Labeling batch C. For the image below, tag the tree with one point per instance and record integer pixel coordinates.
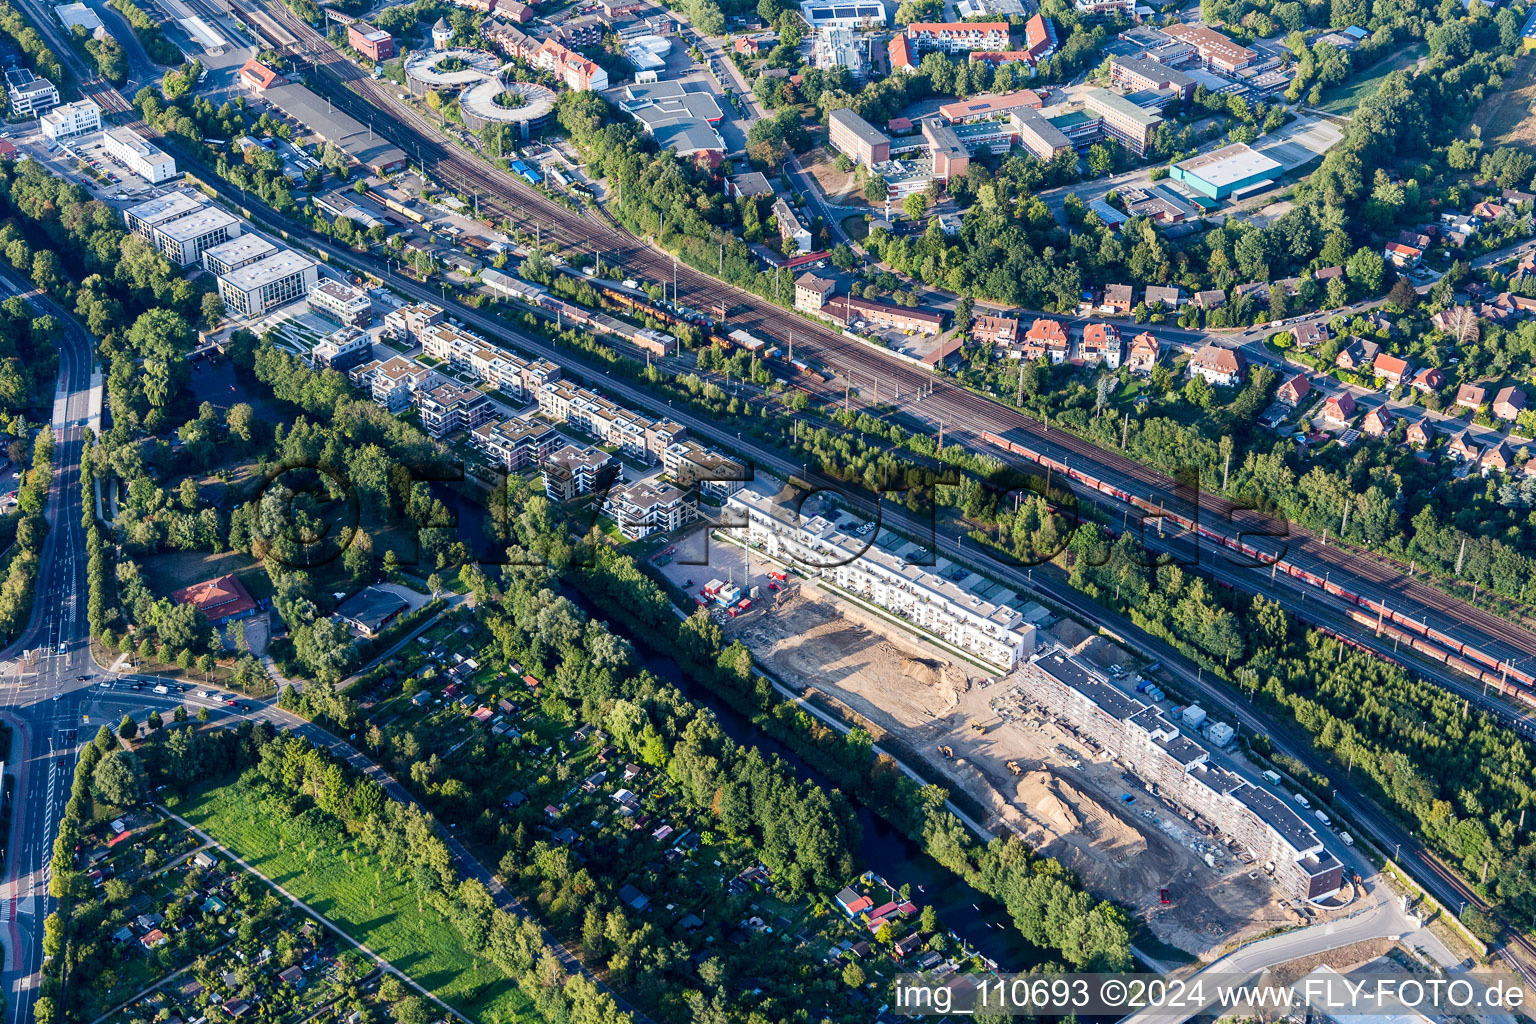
(126, 728)
(212, 310)
(853, 975)
(1403, 295)
(875, 189)
(104, 740)
(915, 205)
(154, 721)
(412, 1010)
(118, 778)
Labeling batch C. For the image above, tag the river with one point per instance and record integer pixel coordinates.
(977, 918)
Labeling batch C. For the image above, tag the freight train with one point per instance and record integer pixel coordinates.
(1466, 657)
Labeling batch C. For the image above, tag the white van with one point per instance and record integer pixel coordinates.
(1346, 839)
(1302, 799)
(1322, 816)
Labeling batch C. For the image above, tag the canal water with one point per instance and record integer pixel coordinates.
(977, 918)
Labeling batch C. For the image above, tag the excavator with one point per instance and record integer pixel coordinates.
(1015, 767)
(948, 752)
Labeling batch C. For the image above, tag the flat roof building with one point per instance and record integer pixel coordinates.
(348, 306)
(357, 140)
(29, 95)
(1216, 51)
(268, 283)
(70, 119)
(855, 137)
(183, 240)
(855, 14)
(1226, 171)
(236, 253)
(374, 43)
(133, 152)
(949, 155)
(1038, 135)
(948, 610)
(515, 444)
(979, 108)
(1133, 74)
(1121, 119)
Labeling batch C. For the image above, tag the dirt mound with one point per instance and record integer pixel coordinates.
(927, 671)
(1039, 795)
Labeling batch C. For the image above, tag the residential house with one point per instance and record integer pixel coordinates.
(1216, 365)
(1508, 403)
(1339, 410)
(1428, 379)
(1391, 369)
(1471, 397)
(1045, 338)
(1171, 297)
(1463, 448)
(1420, 433)
(1497, 459)
(1309, 335)
(1118, 300)
(1377, 422)
(1357, 355)
(1487, 211)
(1325, 274)
(1211, 299)
(1143, 354)
(1293, 390)
(1100, 346)
(999, 331)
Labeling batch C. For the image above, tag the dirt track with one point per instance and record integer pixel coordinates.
(904, 687)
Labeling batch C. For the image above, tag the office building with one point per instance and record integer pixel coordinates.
(268, 283)
(1179, 770)
(70, 119)
(346, 305)
(1038, 135)
(1122, 120)
(236, 253)
(148, 162)
(182, 225)
(991, 105)
(1217, 52)
(923, 599)
(1135, 74)
(857, 139)
(28, 95)
(853, 14)
(949, 156)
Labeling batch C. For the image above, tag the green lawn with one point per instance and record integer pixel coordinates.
(1345, 98)
(372, 906)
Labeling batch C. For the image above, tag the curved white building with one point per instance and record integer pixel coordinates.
(450, 70)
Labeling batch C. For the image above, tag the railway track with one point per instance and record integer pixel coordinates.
(1500, 645)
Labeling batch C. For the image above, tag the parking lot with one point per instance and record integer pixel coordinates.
(92, 151)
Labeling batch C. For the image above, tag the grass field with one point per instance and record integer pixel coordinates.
(172, 570)
(1507, 116)
(1348, 96)
(371, 905)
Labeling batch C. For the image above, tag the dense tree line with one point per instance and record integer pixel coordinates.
(15, 28)
(160, 49)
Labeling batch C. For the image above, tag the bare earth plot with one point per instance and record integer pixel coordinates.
(1508, 117)
(1062, 803)
(835, 184)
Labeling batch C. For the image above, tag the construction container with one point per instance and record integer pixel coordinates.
(1219, 733)
(1194, 716)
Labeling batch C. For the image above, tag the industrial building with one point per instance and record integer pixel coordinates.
(268, 283)
(130, 149)
(357, 140)
(63, 122)
(1179, 770)
(679, 120)
(1231, 170)
(28, 95)
(348, 306)
(857, 139)
(927, 600)
(525, 105)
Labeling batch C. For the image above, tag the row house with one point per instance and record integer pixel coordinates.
(505, 371)
(956, 37)
(638, 436)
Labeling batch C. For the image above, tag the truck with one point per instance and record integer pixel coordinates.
(1273, 778)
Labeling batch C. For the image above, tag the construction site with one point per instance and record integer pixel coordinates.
(1031, 775)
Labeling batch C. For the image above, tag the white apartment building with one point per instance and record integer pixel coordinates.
(408, 322)
(128, 148)
(236, 253)
(466, 352)
(393, 383)
(952, 613)
(650, 507)
(28, 95)
(573, 470)
(718, 476)
(450, 407)
(268, 283)
(69, 120)
(346, 305)
(515, 444)
(342, 350)
(1180, 770)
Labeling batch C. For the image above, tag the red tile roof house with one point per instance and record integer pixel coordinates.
(1497, 458)
(1428, 379)
(1293, 390)
(1509, 403)
(995, 330)
(1471, 397)
(852, 903)
(1339, 410)
(1377, 422)
(1420, 433)
(1391, 369)
(1143, 354)
(220, 600)
(1045, 338)
(1402, 255)
(1462, 447)
(1118, 298)
(1100, 344)
(1218, 365)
